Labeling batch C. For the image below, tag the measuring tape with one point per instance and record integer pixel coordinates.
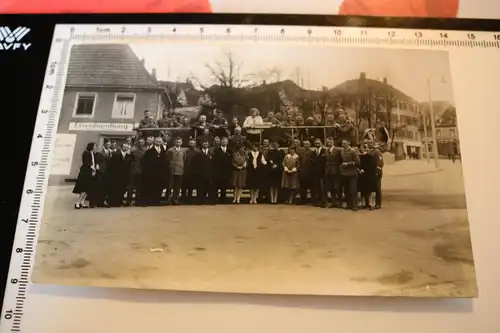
(30, 213)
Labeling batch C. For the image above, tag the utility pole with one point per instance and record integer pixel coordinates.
(435, 152)
(424, 141)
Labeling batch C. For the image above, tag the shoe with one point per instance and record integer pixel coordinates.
(85, 206)
(78, 206)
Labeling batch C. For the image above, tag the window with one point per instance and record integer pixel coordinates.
(84, 105)
(124, 106)
(438, 133)
(452, 133)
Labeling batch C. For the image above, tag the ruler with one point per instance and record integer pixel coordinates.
(31, 209)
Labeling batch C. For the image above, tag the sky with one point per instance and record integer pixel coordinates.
(317, 65)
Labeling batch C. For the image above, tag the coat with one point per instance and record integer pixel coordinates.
(223, 166)
(176, 161)
(351, 157)
(332, 162)
(154, 165)
(119, 168)
(205, 165)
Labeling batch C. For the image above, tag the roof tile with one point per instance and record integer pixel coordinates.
(107, 65)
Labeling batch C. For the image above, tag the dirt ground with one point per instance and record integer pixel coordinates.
(417, 245)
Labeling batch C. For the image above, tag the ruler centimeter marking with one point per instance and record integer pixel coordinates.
(36, 179)
(37, 173)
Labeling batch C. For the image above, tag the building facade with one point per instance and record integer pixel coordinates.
(402, 121)
(107, 91)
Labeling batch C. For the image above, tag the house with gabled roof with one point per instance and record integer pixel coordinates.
(107, 91)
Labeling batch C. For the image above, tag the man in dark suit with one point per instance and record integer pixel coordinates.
(379, 162)
(190, 177)
(318, 174)
(135, 185)
(306, 170)
(349, 171)
(119, 172)
(166, 144)
(176, 157)
(265, 189)
(333, 182)
(154, 168)
(223, 168)
(102, 175)
(206, 169)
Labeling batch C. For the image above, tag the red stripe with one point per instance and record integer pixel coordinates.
(104, 6)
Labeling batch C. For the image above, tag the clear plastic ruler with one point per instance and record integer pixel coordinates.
(31, 208)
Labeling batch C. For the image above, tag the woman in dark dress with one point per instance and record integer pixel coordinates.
(239, 173)
(367, 176)
(86, 181)
(275, 158)
(255, 168)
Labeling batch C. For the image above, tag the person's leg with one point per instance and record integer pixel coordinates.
(353, 190)
(378, 192)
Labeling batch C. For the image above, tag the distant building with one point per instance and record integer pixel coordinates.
(402, 122)
(447, 139)
(445, 116)
(107, 90)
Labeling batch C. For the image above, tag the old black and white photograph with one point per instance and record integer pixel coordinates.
(248, 167)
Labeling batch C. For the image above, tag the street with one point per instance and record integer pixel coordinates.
(417, 245)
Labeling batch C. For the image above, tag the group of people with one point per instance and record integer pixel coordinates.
(155, 169)
(280, 127)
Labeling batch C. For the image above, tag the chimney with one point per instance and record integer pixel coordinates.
(385, 80)
(362, 76)
(153, 73)
(143, 62)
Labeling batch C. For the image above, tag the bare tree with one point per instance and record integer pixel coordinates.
(227, 73)
(228, 83)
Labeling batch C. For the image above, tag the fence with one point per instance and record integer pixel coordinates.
(282, 134)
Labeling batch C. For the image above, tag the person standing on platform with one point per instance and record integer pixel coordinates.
(204, 136)
(119, 170)
(148, 125)
(252, 121)
(237, 140)
(349, 171)
(345, 130)
(176, 158)
(220, 125)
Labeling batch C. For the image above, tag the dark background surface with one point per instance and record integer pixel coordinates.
(22, 75)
